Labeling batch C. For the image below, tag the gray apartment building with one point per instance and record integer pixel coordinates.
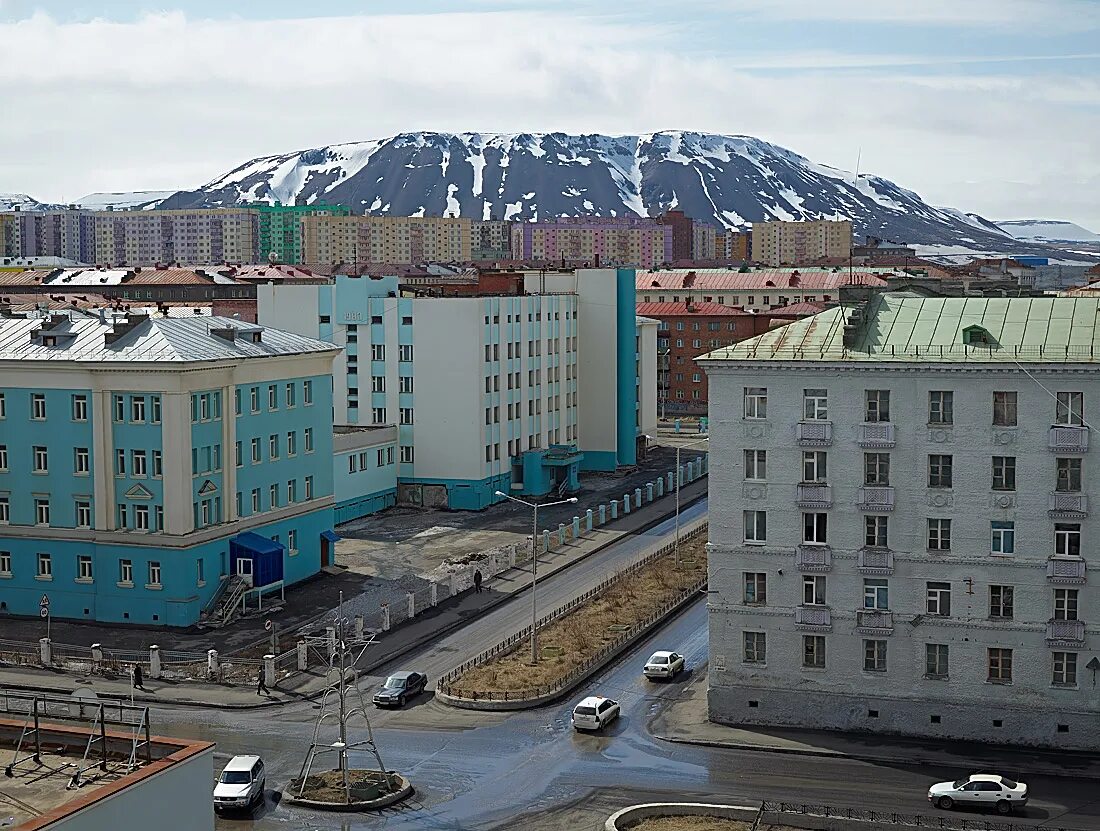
(900, 521)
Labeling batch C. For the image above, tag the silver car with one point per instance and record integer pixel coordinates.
(981, 789)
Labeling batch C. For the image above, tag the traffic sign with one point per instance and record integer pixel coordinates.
(267, 625)
(44, 612)
(45, 601)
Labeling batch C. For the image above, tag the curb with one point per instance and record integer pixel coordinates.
(635, 813)
(406, 791)
(370, 666)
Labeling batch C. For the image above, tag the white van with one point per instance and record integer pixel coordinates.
(241, 784)
(594, 713)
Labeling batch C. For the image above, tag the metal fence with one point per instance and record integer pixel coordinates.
(946, 821)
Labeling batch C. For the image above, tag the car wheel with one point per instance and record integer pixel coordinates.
(1004, 807)
(945, 802)
(401, 701)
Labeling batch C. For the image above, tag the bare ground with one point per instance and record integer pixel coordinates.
(328, 786)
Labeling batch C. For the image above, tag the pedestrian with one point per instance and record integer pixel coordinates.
(137, 677)
(261, 683)
(477, 581)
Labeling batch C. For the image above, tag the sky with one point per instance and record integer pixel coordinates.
(989, 106)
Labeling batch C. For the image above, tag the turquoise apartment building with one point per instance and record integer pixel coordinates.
(145, 461)
(279, 228)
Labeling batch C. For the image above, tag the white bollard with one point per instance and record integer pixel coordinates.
(45, 652)
(269, 670)
(435, 594)
(213, 667)
(385, 617)
(330, 637)
(410, 601)
(360, 626)
(154, 661)
(303, 656)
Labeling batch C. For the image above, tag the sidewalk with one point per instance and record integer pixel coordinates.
(421, 630)
(685, 722)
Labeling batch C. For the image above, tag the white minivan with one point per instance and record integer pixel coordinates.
(594, 713)
(241, 784)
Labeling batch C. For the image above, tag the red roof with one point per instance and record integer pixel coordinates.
(682, 310)
(760, 279)
(797, 310)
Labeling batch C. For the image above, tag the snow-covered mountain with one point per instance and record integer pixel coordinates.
(1047, 230)
(730, 181)
(22, 202)
(140, 199)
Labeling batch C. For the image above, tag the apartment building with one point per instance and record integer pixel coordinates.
(386, 239)
(492, 239)
(754, 290)
(143, 461)
(486, 393)
(279, 228)
(901, 498)
(619, 241)
(11, 235)
(68, 234)
(795, 243)
(703, 241)
(196, 236)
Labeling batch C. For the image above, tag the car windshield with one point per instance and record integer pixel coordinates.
(394, 682)
(585, 711)
(659, 659)
(959, 783)
(1008, 783)
(235, 777)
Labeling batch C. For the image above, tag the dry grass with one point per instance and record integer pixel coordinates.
(573, 639)
(328, 786)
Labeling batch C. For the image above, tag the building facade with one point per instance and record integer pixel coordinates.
(781, 243)
(386, 239)
(754, 290)
(491, 240)
(279, 228)
(188, 237)
(135, 451)
(621, 241)
(898, 541)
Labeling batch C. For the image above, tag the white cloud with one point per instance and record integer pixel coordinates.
(171, 102)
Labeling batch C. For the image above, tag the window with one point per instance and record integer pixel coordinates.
(3, 406)
(935, 660)
(352, 463)
(1000, 665)
(309, 487)
(273, 496)
(80, 461)
(5, 563)
(385, 456)
(1065, 604)
(3, 457)
(405, 352)
(406, 454)
(120, 408)
(815, 405)
(939, 471)
(813, 651)
(756, 647)
(158, 466)
(254, 399)
(137, 463)
(378, 383)
(1067, 539)
(1069, 476)
(292, 540)
(38, 406)
(154, 401)
(876, 469)
(255, 450)
(756, 526)
(272, 397)
(292, 491)
(405, 415)
(876, 534)
(378, 415)
(42, 510)
(1002, 537)
(756, 402)
(154, 573)
(1064, 669)
(137, 409)
(237, 401)
(292, 444)
(756, 465)
(815, 528)
(126, 572)
(273, 446)
(307, 391)
(255, 500)
(5, 509)
(405, 383)
(941, 407)
(756, 588)
(80, 408)
(41, 459)
(939, 535)
(289, 395)
(874, 656)
(939, 599)
(878, 405)
(45, 566)
(1004, 473)
(238, 454)
(813, 590)
(1001, 602)
(141, 517)
(876, 593)
(308, 433)
(378, 352)
(1004, 409)
(814, 466)
(84, 568)
(83, 513)
(1069, 412)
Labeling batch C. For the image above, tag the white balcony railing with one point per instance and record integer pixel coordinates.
(876, 561)
(816, 618)
(815, 433)
(814, 558)
(1068, 504)
(876, 498)
(814, 496)
(876, 434)
(874, 621)
(1069, 439)
(1065, 632)
(1066, 570)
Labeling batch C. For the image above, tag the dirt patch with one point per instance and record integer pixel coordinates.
(582, 634)
(366, 785)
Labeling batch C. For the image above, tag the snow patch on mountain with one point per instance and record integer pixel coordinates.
(1047, 230)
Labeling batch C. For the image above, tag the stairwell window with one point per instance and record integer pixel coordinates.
(756, 402)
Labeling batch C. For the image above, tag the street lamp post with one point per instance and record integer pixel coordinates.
(534, 506)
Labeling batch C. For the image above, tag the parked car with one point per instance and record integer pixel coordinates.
(980, 789)
(663, 664)
(595, 713)
(241, 784)
(399, 688)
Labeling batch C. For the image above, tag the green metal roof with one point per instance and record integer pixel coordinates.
(903, 328)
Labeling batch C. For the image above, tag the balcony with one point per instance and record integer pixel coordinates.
(876, 498)
(876, 434)
(814, 558)
(813, 618)
(1066, 570)
(874, 622)
(876, 561)
(815, 433)
(1069, 439)
(814, 496)
(1069, 505)
(1066, 633)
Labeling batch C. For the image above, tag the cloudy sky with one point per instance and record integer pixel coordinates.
(990, 106)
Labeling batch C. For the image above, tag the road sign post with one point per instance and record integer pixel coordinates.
(44, 611)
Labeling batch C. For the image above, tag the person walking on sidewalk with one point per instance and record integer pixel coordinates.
(261, 683)
(137, 678)
(477, 581)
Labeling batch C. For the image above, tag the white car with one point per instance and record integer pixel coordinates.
(980, 789)
(241, 784)
(663, 664)
(594, 713)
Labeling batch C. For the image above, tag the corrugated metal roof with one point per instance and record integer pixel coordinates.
(903, 328)
(761, 279)
(171, 339)
(682, 310)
